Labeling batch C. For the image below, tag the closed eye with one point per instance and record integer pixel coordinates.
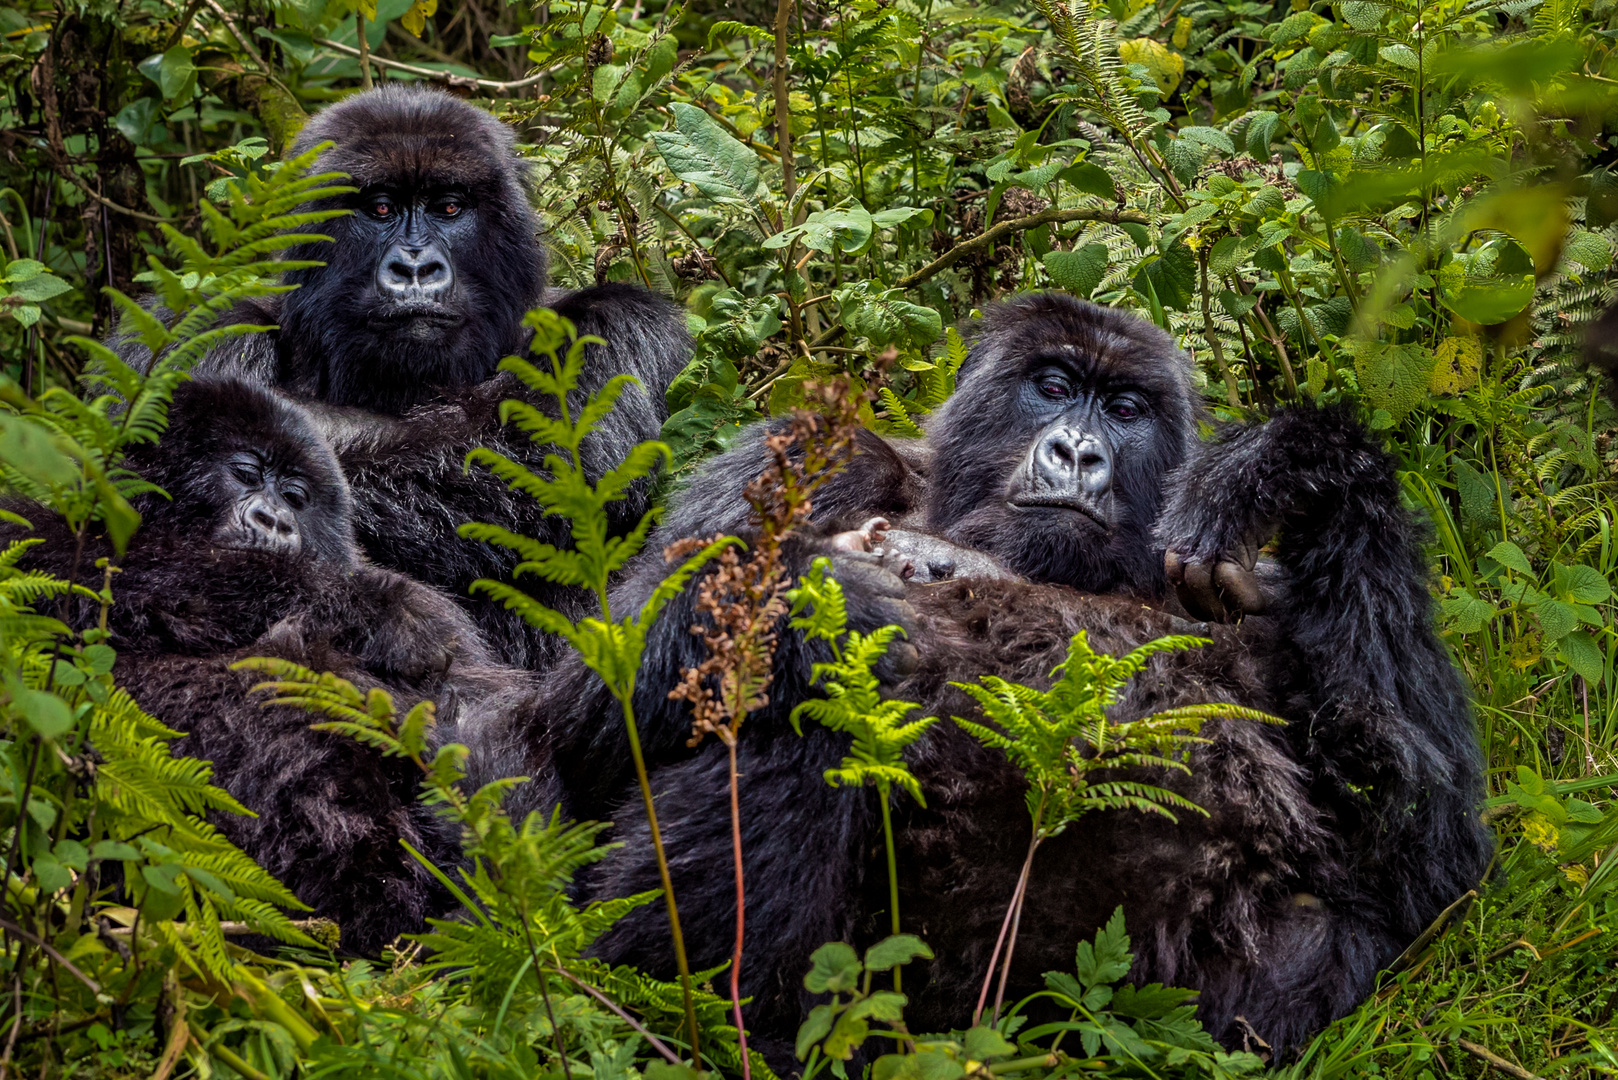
(1054, 387)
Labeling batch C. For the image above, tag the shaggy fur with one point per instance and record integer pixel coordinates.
(1330, 843)
(403, 399)
(330, 811)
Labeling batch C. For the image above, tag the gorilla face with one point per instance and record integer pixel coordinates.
(427, 281)
(248, 470)
(415, 296)
(260, 500)
(1051, 454)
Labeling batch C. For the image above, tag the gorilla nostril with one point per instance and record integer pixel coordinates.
(261, 518)
(1091, 459)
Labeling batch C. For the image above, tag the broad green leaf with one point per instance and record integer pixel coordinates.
(928, 1064)
(1469, 613)
(982, 1043)
(1556, 618)
(1580, 651)
(1511, 556)
(892, 951)
(835, 969)
(1079, 272)
(1581, 583)
(706, 156)
(1090, 178)
(1261, 128)
(1488, 286)
(1393, 377)
(46, 713)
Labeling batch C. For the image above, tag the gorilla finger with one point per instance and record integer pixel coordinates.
(1198, 594)
(853, 540)
(1239, 587)
(1173, 567)
(875, 531)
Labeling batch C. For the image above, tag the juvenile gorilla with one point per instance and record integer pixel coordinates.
(397, 338)
(255, 556)
(1331, 843)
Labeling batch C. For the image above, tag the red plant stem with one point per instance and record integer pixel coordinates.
(1016, 921)
(1005, 927)
(741, 912)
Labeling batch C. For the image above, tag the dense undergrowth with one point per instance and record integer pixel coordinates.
(1410, 205)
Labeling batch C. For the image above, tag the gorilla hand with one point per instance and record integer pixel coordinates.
(875, 593)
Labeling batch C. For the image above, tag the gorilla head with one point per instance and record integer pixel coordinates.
(429, 278)
(1065, 419)
(248, 472)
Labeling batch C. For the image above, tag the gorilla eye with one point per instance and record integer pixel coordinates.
(295, 496)
(381, 207)
(246, 473)
(449, 208)
(1125, 408)
(1054, 387)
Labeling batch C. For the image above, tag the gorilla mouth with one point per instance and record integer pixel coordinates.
(401, 316)
(1059, 502)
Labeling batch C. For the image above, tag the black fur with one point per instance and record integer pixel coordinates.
(189, 602)
(1331, 843)
(403, 390)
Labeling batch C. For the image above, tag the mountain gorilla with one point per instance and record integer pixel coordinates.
(1330, 843)
(255, 556)
(395, 340)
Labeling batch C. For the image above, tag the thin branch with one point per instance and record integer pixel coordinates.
(656, 1043)
(448, 78)
(1507, 1067)
(236, 32)
(989, 237)
(67, 965)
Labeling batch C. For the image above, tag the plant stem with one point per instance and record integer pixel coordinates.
(365, 50)
(741, 909)
(663, 872)
(893, 871)
(1016, 921)
(783, 120)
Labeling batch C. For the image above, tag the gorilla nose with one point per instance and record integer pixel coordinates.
(1071, 460)
(415, 273)
(273, 526)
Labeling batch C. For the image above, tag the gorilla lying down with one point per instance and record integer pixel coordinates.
(255, 556)
(1068, 459)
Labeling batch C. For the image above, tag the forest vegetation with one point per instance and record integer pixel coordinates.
(1408, 205)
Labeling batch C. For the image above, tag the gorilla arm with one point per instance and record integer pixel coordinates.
(1379, 717)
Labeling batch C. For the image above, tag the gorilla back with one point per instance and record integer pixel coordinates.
(1331, 843)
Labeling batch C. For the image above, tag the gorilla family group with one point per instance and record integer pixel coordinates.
(316, 480)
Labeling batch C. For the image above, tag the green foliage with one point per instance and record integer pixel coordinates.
(1061, 738)
(1407, 207)
(853, 702)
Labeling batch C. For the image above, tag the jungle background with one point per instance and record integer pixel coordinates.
(1412, 205)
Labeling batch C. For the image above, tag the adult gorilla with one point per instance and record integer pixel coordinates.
(251, 553)
(396, 339)
(1331, 843)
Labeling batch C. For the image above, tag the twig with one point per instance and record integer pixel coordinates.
(365, 73)
(783, 110)
(447, 77)
(67, 171)
(95, 987)
(988, 238)
(1507, 1067)
(181, 26)
(179, 1035)
(236, 32)
(657, 1044)
(1436, 927)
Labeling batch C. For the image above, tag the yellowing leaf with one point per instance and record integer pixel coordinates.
(1182, 32)
(1458, 360)
(415, 20)
(1540, 831)
(1167, 67)
(366, 9)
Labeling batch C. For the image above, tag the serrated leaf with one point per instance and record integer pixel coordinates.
(706, 156)
(1078, 272)
(890, 952)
